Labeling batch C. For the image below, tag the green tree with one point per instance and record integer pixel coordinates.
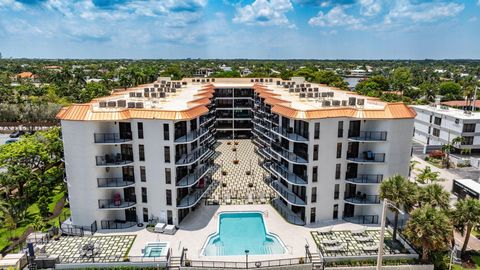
(450, 91)
(430, 229)
(401, 193)
(401, 79)
(467, 214)
(450, 147)
(434, 195)
(429, 90)
(426, 176)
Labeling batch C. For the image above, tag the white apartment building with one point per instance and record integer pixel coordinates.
(147, 152)
(436, 125)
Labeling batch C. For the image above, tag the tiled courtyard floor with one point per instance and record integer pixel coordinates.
(107, 248)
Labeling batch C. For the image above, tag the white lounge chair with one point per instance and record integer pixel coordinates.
(363, 238)
(330, 241)
(358, 231)
(370, 248)
(170, 229)
(262, 198)
(250, 198)
(227, 199)
(160, 227)
(335, 248)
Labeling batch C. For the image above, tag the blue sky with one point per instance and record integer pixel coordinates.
(274, 29)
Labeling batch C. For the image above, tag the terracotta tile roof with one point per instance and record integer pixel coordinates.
(25, 75)
(460, 103)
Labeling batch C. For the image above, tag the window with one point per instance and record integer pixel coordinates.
(141, 152)
(143, 174)
(437, 121)
(312, 214)
(467, 140)
(140, 130)
(335, 211)
(167, 154)
(315, 174)
(315, 152)
(314, 194)
(340, 129)
(169, 217)
(145, 214)
(436, 132)
(338, 169)
(144, 195)
(339, 150)
(336, 192)
(468, 127)
(166, 132)
(169, 197)
(316, 133)
(168, 176)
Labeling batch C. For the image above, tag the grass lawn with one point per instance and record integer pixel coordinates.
(32, 212)
(475, 259)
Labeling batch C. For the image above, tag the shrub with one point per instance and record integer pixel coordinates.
(437, 154)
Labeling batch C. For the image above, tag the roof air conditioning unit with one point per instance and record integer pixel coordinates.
(102, 104)
(352, 101)
(146, 95)
(138, 94)
(131, 105)
(112, 104)
(155, 85)
(361, 101)
(122, 103)
(153, 95)
(344, 103)
(139, 105)
(132, 94)
(335, 102)
(326, 103)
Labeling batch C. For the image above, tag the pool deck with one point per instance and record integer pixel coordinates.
(198, 225)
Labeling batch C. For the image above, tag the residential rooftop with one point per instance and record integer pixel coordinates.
(448, 111)
(188, 98)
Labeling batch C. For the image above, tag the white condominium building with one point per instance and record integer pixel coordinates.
(437, 125)
(148, 152)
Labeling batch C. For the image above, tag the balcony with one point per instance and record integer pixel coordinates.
(116, 204)
(196, 155)
(367, 157)
(287, 213)
(192, 136)
(288, 176)
(117, 160)
(368, 136)
(289, 134)
(287, 194)
(290, 156)
(112, 183)
(365, 179)
(192, 178)
(117, 224)
(362, 219)
(193, 197)
(362, 199)
(265, 152)
(112, 138)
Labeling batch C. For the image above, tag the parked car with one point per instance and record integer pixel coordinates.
(11, 140)
(17, 134)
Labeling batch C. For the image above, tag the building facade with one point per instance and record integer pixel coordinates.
(147, 152)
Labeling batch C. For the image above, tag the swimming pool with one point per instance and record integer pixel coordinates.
(240, 231)
(156, 249)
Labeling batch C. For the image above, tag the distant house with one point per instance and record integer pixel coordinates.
(53, 68)
(225, 68)
(25, 76)
(203, 72)
(245, 72)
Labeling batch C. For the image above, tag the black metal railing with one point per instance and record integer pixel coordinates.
(365, 178)
(290, 156)
(368, 135)
(194, 176)
(111, 203)
(367, 157)
(254, 264)
(194, 196)
(115, 182)
(117, 224)
(192, 136)
(286, 193)
(112, 137)
(113, 160)
(362, 199)
(362, 219)
(193, 156)
(289, 133)
(286, 213)
(287, 175)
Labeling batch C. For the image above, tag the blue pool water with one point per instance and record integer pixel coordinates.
(156, 249)
(239, 232)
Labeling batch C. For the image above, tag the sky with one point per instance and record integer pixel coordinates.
(260, 29)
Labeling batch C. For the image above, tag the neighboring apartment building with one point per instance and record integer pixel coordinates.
(147, 152)
(437, 125)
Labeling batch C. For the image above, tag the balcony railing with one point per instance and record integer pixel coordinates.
(117, 224)
(114, 160)
(368, 136)
(192, 136)
(194, 156)
(368, 157)
(191, 178)
(362, 219)
(286, 194)
(112, 137)
(115, 182)
(194, 196)
(290, 134)
(365, 179)
(362, 199)
(290, 177)
(290, 156)
(116, 204)
(287, 213)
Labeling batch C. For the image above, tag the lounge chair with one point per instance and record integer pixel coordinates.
(170, 229)
(330, 241)
(160, 227)
(370, 248)
(250, 198)
(227, 199)
(262, 198)
(358, 231)
(338, 248)
(364, 238)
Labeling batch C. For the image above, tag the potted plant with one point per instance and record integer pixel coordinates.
(224, 184)
(236, 143)
(187, 263)
(229, 143)
(234, 149)
(301, 260)
(250, 185)
(248, 172)
(224, 172)
(236, 161)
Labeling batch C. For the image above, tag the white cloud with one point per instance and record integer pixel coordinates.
(423, 12)
(336, 17)
(264, 12)
(478, 3)
(370, 7)
(11, 4)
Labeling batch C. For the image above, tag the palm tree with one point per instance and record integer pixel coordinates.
(467, 214)
(430, 229)
(434, 195)
(449, 147)
(401, 193)
(427, 176)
